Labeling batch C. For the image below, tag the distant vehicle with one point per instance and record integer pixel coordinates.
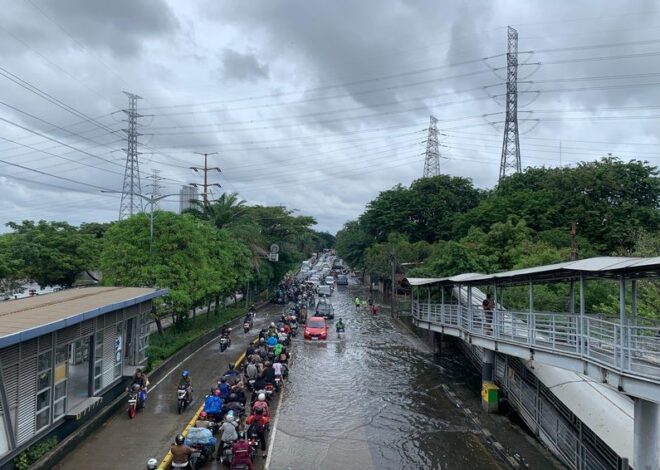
(324, 291)
(342, 280)
(325, 310)
(329, 280)
(316, 329)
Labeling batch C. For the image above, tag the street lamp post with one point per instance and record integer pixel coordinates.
(151, 200)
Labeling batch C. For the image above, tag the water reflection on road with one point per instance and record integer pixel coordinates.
(373, 400)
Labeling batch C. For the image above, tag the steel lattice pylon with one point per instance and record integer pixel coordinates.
(432, 159)
(131, 203)
(510, 161)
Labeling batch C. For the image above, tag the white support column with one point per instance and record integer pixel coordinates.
(646, 453)
(580, 325)
(531, 323)
(622, 320)
(442, 304)
(469, 306)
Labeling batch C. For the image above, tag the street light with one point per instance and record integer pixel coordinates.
(151, 201)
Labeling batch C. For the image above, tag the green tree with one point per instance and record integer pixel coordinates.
(52, 253)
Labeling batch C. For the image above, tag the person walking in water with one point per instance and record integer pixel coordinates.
(357, 303)
(374, 310)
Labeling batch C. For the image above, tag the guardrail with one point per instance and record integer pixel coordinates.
(632, 348)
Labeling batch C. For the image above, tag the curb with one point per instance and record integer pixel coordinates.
(69, 443)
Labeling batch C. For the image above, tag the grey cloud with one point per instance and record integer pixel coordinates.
(242, 66)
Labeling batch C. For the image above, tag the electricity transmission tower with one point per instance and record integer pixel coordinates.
(510, 161)
(131, 203)
(205, 185)
(432, 160)
(155, 188)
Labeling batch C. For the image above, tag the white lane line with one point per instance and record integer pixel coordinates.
(272, 436)
(151, 387)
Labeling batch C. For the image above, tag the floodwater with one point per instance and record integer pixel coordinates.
(375, 400)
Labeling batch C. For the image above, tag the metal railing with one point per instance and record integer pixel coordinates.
(632, 348)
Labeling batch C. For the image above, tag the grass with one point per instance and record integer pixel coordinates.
(163, 346)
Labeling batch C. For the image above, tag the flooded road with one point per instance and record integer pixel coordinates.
(378, 399)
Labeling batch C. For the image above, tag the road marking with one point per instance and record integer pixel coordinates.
(272, 436)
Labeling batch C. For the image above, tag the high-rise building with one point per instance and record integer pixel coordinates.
(186, 196)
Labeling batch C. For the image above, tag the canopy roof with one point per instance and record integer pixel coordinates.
(602, 266)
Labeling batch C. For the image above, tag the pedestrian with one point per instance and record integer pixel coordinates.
(374, 310)
(488, 305)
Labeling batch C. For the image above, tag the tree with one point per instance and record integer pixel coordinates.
(52, 253)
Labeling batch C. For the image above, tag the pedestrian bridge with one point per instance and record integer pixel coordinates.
(622, 351)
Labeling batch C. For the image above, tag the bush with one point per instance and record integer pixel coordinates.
(163, 346)
(33, 453)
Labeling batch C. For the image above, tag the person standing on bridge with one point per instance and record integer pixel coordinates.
(488, 305)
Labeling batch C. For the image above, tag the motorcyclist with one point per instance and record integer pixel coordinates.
(232, 374)
(240, 451)
(142, 382)
(268, 373)
(259, 423)
(225, 331)
(203, 421)
(251, 370)
(277, 349)
(340, 325)
(272, 329)
(180, 452)
(228, 433)
(224, 387)
(185, 381)
(262, 404)
(271, 341)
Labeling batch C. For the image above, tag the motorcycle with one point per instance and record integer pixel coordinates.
(340, 332)
(225, 342)
(225, 453)
(278, 384)
(269, 390)
(294, 328)
(251, 383)
(133, 399)
(182, 398)
(246, 327)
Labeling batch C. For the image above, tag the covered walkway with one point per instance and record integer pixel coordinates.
(621, 351)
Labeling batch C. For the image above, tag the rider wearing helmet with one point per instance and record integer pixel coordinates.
(180, 452)
(225, 388)
(228, 433)
(259, 423)
(185, 381)
(203, 421)
(261, 404)
(232, 374)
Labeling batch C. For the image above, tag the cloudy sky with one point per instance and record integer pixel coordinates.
(315, 105)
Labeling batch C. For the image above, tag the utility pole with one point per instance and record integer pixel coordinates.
(205, 185)
(130, 203)
(393, 264)
(155, 187)
(574, 252)
(510, 160)
(432, 155)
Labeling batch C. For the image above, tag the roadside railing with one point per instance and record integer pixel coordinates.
(633, 348)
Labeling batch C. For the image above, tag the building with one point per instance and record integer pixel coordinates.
(63, 354)
(186, 196)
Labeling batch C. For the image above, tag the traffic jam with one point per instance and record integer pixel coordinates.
(232, 427)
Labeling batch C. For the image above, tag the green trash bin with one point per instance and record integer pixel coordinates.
(490, 397)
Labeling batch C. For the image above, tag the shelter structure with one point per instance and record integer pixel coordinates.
(61, 354)
(622, 352)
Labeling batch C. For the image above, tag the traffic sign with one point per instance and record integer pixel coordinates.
(273, 257)
(274, 248)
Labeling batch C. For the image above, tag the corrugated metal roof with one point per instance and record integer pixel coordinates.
(422, 281)
(601, 264)
(24, 319)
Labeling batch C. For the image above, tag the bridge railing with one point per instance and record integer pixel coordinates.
(632, 348)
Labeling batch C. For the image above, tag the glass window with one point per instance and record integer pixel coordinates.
(43, 399)
(62, 354)
(117, 371)
(45, 361)
(58, 408)
(44, 380)
(97, 368)
(97, 382)
(60, 390)
(43, 418)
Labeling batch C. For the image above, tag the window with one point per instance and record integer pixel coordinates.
(61, 378)
(98, 361)
(118, 353)
(44, 380)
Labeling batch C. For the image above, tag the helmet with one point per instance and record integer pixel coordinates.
(231, 366)
(233, 397)
(282, 329)
(203, 415)
(272, 324)
(184, 373)
(216, 392)
(152, 464)
(261, 397)
(136, 387)
(261, 340)
(222, 380)
(179, 439)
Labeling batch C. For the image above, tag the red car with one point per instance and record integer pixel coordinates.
(316, 328)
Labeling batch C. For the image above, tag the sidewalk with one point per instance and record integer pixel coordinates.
(121, 443)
